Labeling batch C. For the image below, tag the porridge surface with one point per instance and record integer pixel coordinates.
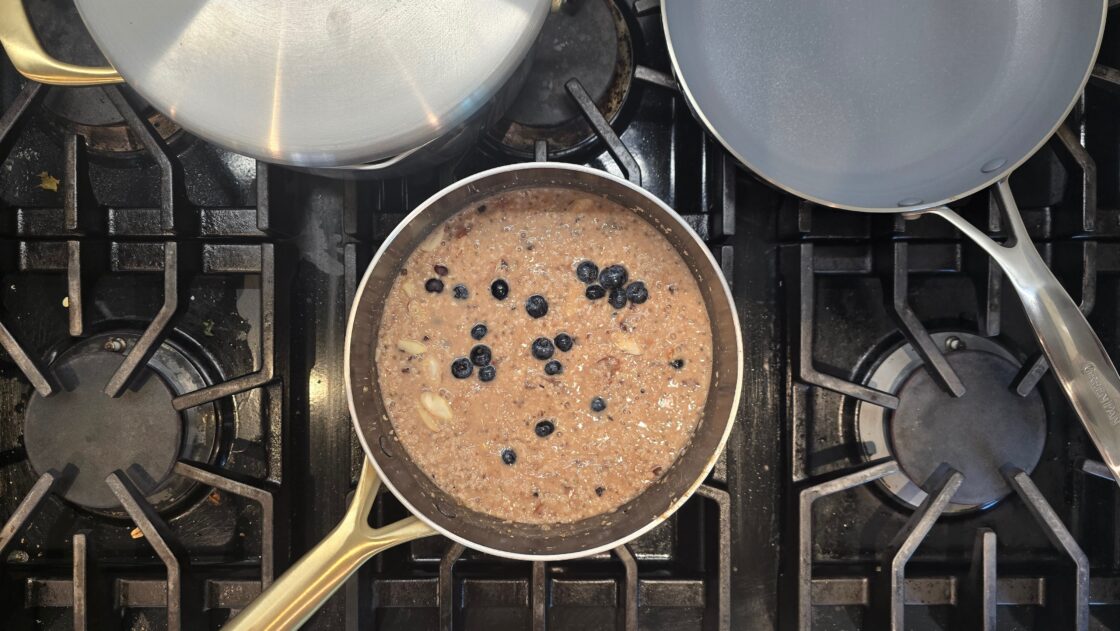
(523, 429)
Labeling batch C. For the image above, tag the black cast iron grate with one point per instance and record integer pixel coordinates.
(178, 241)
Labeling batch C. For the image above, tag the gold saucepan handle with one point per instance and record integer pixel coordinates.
(33, 62)
(291, 600)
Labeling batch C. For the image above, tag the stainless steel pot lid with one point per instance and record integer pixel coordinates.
(316, 83)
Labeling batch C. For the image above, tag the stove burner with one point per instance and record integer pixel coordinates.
(81, 431)
(588, 40)
(86, 111)
(977, 434)
(89, 113)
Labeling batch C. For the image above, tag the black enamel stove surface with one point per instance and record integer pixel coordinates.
(210, 293)
(935, 477)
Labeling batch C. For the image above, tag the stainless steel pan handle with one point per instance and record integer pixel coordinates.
(1077, 357)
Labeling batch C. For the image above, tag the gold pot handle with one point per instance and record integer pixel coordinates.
(291, 600)
(33, 62)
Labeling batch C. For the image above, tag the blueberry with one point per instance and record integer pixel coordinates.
(594, 292)
(480, 355)
(509, 456)
(598, 404)
(461, 368)
(434, 285)
(479, 331)
(542, 348)
(487, 373)
(563, 342)
(544, 428)
(499, 289)
(599, 491)
(677, 363)
(460, 292)
(553, 368)
(613, 276)
(587, 272)
(637, 293)
(536, 306)
(617, 298)
(440, 269)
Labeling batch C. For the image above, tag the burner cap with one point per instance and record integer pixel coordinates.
(81, 430)
(977, 434)
(88, 113)
(588, 41)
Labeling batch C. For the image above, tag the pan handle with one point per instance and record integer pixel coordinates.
(29, 58)
(1077, 357)
(291, 600)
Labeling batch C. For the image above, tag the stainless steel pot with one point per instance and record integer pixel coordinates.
(310, 84)
(296, 595)
(903, 107)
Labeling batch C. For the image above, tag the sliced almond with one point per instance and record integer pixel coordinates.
(409, 290)
(431, 244)
(580, 205)
(627, 345)
(427, 418)
(431, 368)
(436, 404)
(412, 347)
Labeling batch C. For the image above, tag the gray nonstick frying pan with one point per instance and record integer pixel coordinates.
(905, 106)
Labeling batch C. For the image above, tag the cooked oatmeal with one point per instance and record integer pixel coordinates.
(544, 356)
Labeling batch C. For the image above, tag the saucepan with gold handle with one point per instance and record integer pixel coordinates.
(307, 584)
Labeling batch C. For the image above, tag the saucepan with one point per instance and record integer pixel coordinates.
(298, 593)
(370, 86)
(903, 106)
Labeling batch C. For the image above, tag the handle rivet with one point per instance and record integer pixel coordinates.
(993, 165)
(954, 344)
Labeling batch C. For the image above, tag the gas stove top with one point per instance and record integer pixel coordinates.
(901, 459)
